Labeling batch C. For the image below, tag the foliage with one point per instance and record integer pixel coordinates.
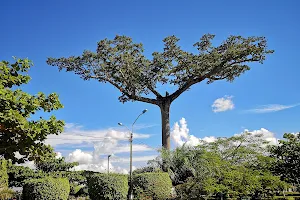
(287, 155)
(46, 189)
(178, 163)
(19, 174)
(74, 188)
(3, 174)
(108, 186)
(18, 131)
(53, 164)
(121, 63)
(6, 193)
(146, 169)
(152, 186)
(238, 166)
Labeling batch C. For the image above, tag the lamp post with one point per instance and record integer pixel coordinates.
(130, 196)
(108, 163)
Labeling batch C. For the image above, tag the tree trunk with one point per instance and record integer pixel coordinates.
(165, 123)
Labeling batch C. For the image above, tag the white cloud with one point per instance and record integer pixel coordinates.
(271, 108)
(109, 141)
(265, 135)
(103, 141)
(76, 135)
(93, 162)
(180, 135)
(223, 104)
(80, 157)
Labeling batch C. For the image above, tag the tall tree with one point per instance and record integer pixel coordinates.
(18, 131)
(287, 155)
(121, 63)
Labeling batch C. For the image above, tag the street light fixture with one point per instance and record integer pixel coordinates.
(108, 163)
(130, 196)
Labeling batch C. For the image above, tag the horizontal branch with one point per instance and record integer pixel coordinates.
(133, 97)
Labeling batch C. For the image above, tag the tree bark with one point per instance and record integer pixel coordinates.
(165, 123)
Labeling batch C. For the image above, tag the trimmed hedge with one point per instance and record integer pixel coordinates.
(3, 174)
(152, 186)
(108, 186)
(46, 189)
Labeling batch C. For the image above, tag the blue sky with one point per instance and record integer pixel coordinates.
(41, 29)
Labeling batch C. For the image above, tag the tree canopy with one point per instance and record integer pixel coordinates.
(237, 166)
(121, 63)
(19, 133)
(287, 155)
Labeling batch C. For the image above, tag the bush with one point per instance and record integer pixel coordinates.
(6, 193)
(3, 174)
(83, 192)
(74, 188)
(108, 186)
(152, 186)
(46, 189)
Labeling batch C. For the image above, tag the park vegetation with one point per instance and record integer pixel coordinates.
(242, 166)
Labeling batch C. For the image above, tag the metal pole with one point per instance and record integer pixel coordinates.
(108, 163)
(130, 173)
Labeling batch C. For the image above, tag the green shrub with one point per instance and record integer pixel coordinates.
(74, 188)
(108, 186)
(152, 186)
(6, 193)
(3, 174)
(83, 192)
(46, 189)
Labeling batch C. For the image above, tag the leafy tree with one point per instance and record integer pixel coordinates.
(55, 165)
(121, 63)
(238, 166)
(50, 163)
(19, 174)
(287, 155)
(18, 131)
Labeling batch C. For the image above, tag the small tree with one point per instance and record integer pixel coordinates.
(19, 133)
(51, 163)
(121, 63)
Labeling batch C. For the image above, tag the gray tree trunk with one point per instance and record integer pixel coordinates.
(165, 123)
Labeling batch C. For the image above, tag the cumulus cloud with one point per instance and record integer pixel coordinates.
(223, 104)
(265, 135)
(93, 162)
(104, 142)
(271, 108)
(180, 135)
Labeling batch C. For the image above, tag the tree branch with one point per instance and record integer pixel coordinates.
(186, 86)
(153, 91)
(134, 97)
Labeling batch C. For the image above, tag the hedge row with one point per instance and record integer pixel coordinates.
(3, 174)
(150, 186)
(108, 186)
(46, 189)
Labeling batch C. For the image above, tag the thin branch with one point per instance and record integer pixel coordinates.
(153, 91)
(186, 86)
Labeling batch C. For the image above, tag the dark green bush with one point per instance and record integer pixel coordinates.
(189, 191)
(74, 188)
(3, 174)
(46, 189)
(83, 192)
(108, 186)
(152, 186)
